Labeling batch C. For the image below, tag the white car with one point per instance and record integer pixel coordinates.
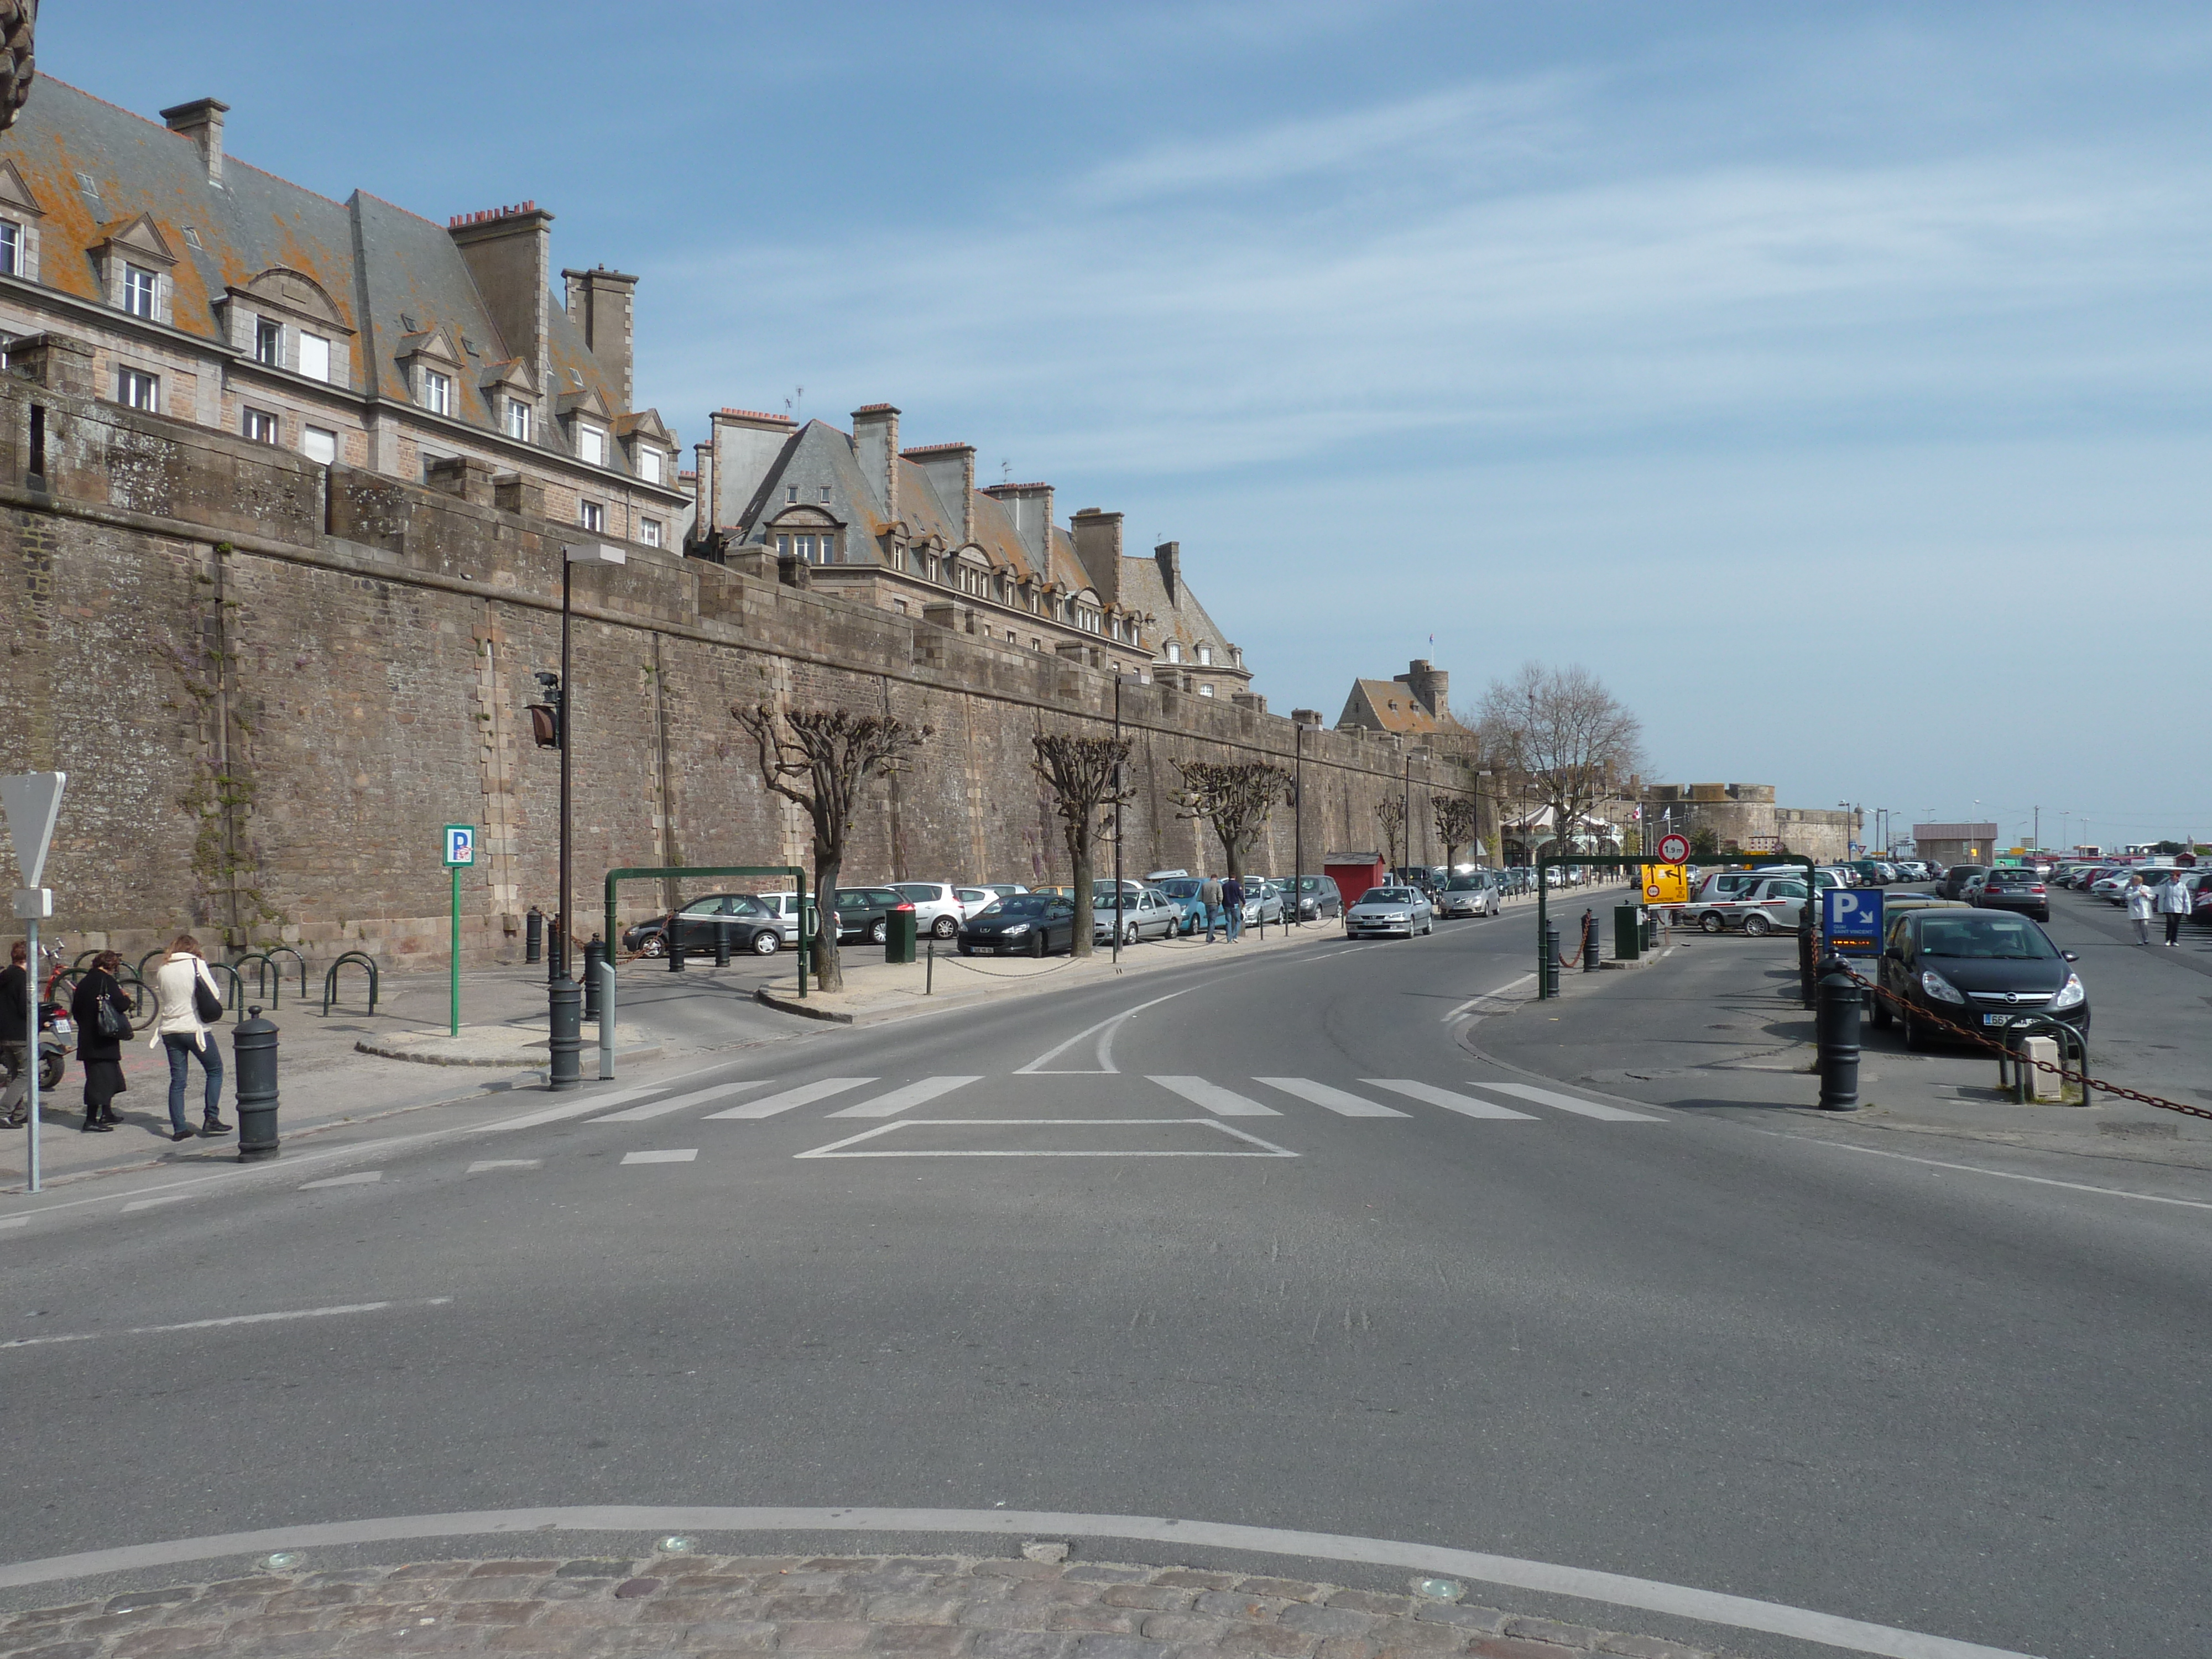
(939, 907)
(1775, 904)
(1472, 894)
(786, 905)
(1388, 910)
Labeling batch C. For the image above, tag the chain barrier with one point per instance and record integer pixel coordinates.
(959, 962)
(2082, 1078)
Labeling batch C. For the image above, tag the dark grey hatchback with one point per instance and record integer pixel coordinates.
(1979, 968)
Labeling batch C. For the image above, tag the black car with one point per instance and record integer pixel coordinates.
(1318, 899)
(1956, 877)
(2013, 887)
(1021, 924)
(864, 912)
(751, 927)
(1977, 968)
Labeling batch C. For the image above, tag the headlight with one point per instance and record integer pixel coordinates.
(1939, 987)
(2072, 993)
(1019, 927)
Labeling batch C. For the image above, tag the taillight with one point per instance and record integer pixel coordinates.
(904, 907)
(2037, 887)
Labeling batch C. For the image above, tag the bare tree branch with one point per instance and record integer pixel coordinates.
(1568, 737)
(1236, 798)
(1458, 823)
(1390, 821)
(1084, 776)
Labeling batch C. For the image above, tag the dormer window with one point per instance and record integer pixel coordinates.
(437, 392)
(650, 465)
(268, 343)
(314, 356)
(140, 289)
(591, 446)
(1206, 656)
(517, 419)
(12, 248)
(1174, 651)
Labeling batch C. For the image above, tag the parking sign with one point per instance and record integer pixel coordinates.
(460, 845)
(1852, 918)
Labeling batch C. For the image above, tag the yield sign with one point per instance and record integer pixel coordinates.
(32, 802)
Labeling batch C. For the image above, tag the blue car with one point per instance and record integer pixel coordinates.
(1190, 911)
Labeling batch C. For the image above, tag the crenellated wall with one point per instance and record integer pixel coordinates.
(272, 683)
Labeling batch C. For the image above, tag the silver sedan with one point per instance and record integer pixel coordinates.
(1469, 895)
(1388, 910)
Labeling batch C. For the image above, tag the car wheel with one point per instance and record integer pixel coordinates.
(1036, 942)
(767, 942)
(880, 932)
(1758, 926)
(654, 944)
(945, 927)
(1916, 1033)
(1713, 923)
(1129, 933)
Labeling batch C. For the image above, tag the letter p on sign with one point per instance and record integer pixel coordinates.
(460, 844)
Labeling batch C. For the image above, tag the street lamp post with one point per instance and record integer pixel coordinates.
(565, 998)
(1298, 823)
(1118, 792)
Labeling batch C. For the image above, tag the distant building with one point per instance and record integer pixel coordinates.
(1954, 843)
(159, 273)
(1415, 705)
(1742, 818)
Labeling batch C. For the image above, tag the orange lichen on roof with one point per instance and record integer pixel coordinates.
(758, 415)
(934, 449)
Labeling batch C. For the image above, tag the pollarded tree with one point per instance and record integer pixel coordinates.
(1458, 823)
(1084, 776)
(1236, 798)
(820, 758)
(1390, 819)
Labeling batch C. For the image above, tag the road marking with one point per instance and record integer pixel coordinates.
(1465, 1105)
(697, 1098)
(1222, 1102)
(667, 1155)
(2001, 1175)
(1487, 996)
(569, 1109)
(253, 1174)
(358, 1178)
(1568, 1103)
(1105, 1042)
(915, 1094)
(16, 1221)
(235, 1319)
(1335, 1099)
(804, 1095)
(1584, 1583)
(483, 1164)
(1267, 1148)
(150, 1203)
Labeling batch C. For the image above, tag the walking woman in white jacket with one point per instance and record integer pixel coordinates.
(182, 1033)
(2140, 908)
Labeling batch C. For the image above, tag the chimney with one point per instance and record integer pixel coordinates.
(1431, 687)
(201, 121)
(950, 470)
(603, 303)
(875, 439)
(745, 445)
(508, 251)
(1169, 556)
(1098, 544)
(703, 490)
(1029, 506)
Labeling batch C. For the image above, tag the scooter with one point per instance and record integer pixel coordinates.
(56, 1036)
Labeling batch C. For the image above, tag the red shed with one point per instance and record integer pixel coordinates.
(1355, 872)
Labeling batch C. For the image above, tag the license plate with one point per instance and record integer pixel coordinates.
(2002, 1019)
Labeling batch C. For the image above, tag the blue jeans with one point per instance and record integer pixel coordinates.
(1232, 917)
(181, 1054)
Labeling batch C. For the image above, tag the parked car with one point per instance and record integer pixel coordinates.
(1474, 895)
(1318, 899)
(2112, 886)
(1772, 905)
(865, 913)
(2013, 887)
(1146, 913)
(1871, 873)
(751, 926)
(1956, 877)
(1182, 893)
(1004, 889)
(1388, 910)
(1021, 924)
(1978, 968)
(938, 907)
(1263, 900)
(785, 907)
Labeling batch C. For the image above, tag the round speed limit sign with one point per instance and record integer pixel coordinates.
(1674, 849)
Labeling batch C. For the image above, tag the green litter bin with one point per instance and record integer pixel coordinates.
(898, 937)
(1627, 932)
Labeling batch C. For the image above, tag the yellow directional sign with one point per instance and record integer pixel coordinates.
(1666, 883)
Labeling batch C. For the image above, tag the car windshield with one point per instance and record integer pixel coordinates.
(1466, 883)
(1388, 896)
(1021, 904)
(1182, 888)
(1997, 939)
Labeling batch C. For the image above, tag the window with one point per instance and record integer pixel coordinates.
(648, 531)
(314, 357)
(591, 446)
(899, 562)
(260, 427)
(11, 248)
(648, 466)
(1205, 691)
(139, 290)
(317, 445)
(437, 392)
(783, 547)
(135, 389)
(828, 549)
(1174, 651)
(825, 494)
(790, 494)
(806, 548)
(1206, 656)
(591, 515)
(268, 343)
(517, 419)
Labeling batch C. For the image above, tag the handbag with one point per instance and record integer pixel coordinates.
(206, 1006)
(107, 1019)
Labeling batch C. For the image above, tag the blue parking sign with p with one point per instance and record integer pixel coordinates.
(460, 844)
(1852, 918)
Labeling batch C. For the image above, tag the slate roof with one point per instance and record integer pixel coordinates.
(1145, 591)
(379, 264)
(1388, 705)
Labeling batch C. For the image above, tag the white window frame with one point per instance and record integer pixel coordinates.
(649, 531)
(14, 249)
(252, 419)
(650, 465)
(141, 284)
(517, 419)
(269, 333)
(590, 445)
(1206, 656)
(315, 355)
(136, 389)
(308, 446)
(1175, 650)
(438, 392)
(593, 516)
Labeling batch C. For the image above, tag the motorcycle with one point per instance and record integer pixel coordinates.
(56, 1036)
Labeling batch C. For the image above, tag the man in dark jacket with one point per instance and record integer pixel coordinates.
(1233, 907)
(14, 1039)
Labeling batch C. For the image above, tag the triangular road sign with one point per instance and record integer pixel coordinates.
(33, 803)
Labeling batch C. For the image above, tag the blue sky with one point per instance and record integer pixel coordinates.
(1831, 380)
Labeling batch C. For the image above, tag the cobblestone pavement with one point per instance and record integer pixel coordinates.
(700, 1606)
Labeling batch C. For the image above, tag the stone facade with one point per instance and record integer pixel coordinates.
(271, 682)
(1744, 819)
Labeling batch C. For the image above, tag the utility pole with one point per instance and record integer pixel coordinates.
(2036, 840)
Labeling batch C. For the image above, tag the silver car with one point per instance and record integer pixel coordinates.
(1388, 910)
(1472, 894)
(1263, 900)
(1146, 913)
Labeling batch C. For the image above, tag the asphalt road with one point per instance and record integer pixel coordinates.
(1686, 1350)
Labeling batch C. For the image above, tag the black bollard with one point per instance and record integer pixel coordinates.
(533, 936)
(722, 945)
(1551, 957)
(254, 1054)
(567, 998)
(1835, 1030)
(556, 955)
(1590, 941)
(594, 954)
(1806, 972)
(675, 953)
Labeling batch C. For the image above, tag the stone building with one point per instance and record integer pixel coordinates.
(199, 288)
(908, 532)
(1955, 843)
(1742, 818)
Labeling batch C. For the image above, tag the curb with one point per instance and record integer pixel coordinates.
(792, 1005)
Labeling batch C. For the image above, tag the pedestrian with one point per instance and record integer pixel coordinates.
(1209, 899)
(1233, 907)
(2173, 904)
(102, 1014)
(182, 1032)
(14, 1040)
(2140, 907)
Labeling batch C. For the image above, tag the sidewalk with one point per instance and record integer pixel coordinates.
(1717, 1023)
(1036, 1605)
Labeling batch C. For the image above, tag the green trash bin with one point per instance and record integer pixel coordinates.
(898, 939)
(1627, 932)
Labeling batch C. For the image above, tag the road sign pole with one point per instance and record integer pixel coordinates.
(30, 1025)
(454, 1000)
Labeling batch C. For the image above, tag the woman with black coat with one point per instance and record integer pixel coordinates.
(102, 1055)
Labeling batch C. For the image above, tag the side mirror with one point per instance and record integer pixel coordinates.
(2071, 955)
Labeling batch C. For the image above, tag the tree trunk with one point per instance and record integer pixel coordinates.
(1232, 855)
(1078, 858)
(829, 965)
(1451, 851)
